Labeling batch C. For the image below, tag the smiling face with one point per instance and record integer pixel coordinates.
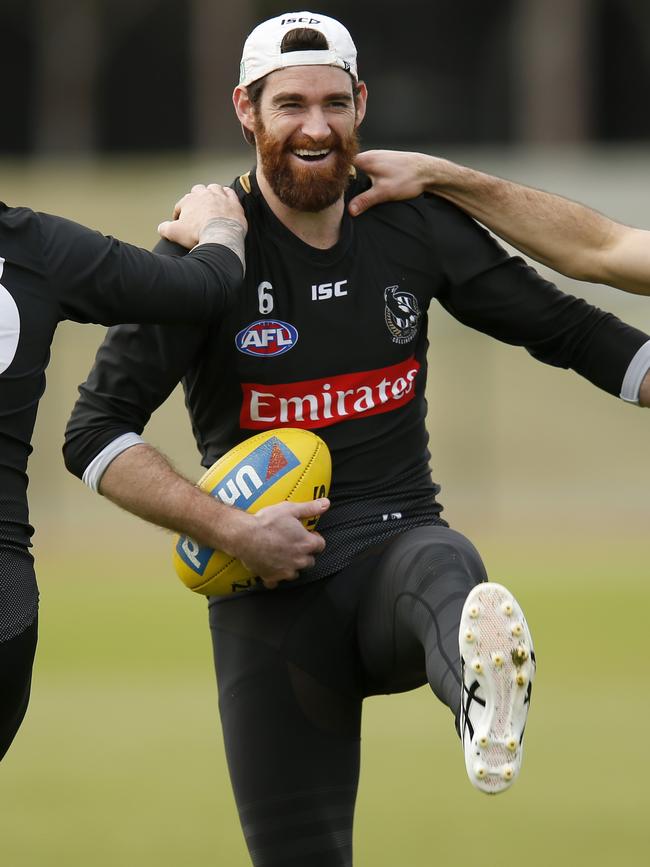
(305, 132)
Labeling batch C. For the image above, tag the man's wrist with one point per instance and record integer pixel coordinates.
(229, 233)
(449, 178)
(224, 526)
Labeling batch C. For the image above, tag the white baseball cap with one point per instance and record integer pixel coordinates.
(262, 54)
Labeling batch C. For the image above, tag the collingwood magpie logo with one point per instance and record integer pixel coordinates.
(402, 314)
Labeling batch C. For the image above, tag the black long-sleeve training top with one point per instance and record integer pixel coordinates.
(336, 341)
(52, 269)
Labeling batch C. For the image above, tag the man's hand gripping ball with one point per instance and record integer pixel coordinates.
(285, 465)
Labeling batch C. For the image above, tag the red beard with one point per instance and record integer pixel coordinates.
(309, 187)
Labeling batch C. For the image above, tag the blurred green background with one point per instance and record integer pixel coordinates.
(120, 762)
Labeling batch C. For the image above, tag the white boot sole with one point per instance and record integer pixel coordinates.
(497, 652)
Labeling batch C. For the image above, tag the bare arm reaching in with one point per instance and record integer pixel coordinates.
(565, 235)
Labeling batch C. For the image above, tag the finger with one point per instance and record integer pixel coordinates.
(197, 188)
(365, 160)
(164, 229)
(369, 199)
(178, 207)
(307, 561)
(317, 542)
(231, 193)
(310, 509)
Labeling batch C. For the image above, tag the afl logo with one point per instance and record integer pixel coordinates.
(267, 337)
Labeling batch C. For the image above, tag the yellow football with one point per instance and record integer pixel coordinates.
(284, 464)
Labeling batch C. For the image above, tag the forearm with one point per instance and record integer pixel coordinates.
(273, 543)
(142, 481)
(565, 235)
(514, 304)
(228, 233)
(101, 279)
(562, 234)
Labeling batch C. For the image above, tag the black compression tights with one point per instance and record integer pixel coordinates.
(16, 659)
(293, 666)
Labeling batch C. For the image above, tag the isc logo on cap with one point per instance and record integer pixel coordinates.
(302, 20)
(267, 337)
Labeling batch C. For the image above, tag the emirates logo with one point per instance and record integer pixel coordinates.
(318, 403)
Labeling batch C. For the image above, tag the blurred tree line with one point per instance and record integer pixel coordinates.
(142, 75)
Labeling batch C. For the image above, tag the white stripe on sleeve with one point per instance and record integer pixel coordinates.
(635, 374)
(97, 467)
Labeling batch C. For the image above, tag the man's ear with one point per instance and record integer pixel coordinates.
(244, 109)
(360, 101)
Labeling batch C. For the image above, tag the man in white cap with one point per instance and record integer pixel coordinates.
(330, 334)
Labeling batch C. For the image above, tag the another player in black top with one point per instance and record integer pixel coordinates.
(330, 333)
(52, 269)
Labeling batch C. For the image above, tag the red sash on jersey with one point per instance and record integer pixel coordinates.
(316, 403)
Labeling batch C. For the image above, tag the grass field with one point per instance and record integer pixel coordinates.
(120, 761)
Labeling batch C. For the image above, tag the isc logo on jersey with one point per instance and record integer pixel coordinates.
(267, 337)
(241, 487)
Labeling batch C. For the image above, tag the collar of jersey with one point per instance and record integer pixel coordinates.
(297, 246)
